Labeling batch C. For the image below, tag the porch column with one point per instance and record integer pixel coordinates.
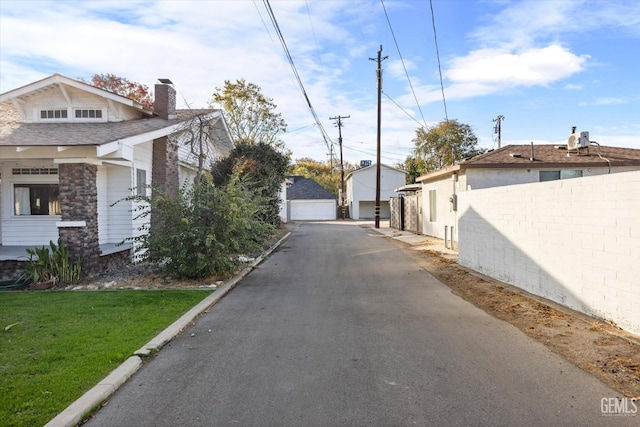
(79, 208)
(164, 173)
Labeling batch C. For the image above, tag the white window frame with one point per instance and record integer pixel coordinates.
(103, 114)
(141, 182)
(52, 119)
(22, 184)
(433, 206)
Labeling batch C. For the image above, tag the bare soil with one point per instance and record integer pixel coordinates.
(600, 348)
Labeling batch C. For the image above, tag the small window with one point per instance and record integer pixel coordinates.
(36, 199)
(570, 174)
(432, 206)
(549, 175)
(88, 114)
(555, 175)
(141, 182)
(53, 114)
(34, 171)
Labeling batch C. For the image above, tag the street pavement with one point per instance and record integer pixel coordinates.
(339, 327)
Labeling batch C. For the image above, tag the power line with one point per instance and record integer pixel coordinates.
(272, 16)
(435, 38)
(402, 109)
(403, 64)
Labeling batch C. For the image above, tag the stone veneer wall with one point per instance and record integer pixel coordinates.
(79, 202)
(11, 269)
(165, 169)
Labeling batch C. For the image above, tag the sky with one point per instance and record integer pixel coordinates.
(544, 65)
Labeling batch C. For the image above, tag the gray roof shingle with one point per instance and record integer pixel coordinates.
(302, 188)
(15, 133)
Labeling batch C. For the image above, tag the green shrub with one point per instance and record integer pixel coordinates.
(203, 231)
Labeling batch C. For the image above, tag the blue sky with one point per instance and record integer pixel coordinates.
(545, 65)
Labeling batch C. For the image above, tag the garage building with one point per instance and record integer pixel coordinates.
(309, 201)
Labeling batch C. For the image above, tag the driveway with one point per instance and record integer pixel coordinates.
(339, 327)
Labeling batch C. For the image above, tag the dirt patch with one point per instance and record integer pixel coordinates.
(146, 276)
(595, 346)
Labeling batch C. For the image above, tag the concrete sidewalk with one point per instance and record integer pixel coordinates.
(417, 241)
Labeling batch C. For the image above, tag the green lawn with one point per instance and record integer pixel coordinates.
(57, 345)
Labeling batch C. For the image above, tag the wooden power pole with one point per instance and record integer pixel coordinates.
(379, 60)
(498, 128)
(339, 124)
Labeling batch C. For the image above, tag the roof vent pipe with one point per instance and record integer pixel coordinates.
(532, 158)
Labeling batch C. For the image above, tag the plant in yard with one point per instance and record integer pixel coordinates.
(55, 266)
(203, 231)
(262, 169)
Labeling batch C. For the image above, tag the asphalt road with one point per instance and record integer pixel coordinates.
(340, 328)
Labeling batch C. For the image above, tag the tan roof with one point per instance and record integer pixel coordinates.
(519, 156)
(544, 156)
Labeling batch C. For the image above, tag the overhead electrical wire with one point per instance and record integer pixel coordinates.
(403, 110)
(403, 65)
(325, 136)
(313, 31)
(435, 38)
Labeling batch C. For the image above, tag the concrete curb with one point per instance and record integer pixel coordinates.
(76, 412)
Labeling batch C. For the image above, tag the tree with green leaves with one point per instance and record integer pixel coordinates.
(251, 116)
(261, 169)
(445, 144)
(321, 172)
(414, 166)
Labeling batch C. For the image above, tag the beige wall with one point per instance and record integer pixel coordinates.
(574, 241)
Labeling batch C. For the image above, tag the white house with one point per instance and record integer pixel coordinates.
(361, 190)
(69, 151)
(512, 164)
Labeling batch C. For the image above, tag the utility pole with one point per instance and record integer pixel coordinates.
(497, 129)
(339, 124)
(379, 60)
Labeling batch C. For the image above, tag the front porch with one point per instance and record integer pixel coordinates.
(19, 253)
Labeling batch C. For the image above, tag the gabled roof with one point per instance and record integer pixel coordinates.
(17, 134)
(302, 188)
(58, 81)
(544, 156)
(373, 166)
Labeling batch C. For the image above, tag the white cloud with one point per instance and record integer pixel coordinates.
(605, 101)
(533, 66)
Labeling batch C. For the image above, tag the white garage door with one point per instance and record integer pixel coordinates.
(312, 210)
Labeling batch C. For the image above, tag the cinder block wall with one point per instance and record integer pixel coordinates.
(574, 241)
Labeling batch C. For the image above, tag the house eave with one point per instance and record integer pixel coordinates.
(60, 81)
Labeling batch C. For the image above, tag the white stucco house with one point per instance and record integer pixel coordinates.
(69, 151)
(360, 187)
(509, 165)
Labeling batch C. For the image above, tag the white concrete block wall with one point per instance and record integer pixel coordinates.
(574, 241)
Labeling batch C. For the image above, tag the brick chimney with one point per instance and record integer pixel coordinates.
(164, 104)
